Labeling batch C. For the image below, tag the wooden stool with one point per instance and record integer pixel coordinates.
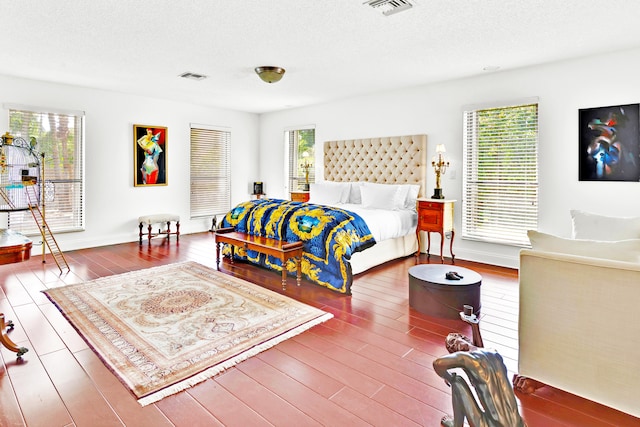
(159, 219)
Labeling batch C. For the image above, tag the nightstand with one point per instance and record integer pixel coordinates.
(300, 196)
(435, 215)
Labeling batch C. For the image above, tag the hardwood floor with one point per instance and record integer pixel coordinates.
(369, 365)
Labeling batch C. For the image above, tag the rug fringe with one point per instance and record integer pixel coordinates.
(220, 367)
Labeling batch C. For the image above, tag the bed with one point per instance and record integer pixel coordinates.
(388, 160)
(366, 207)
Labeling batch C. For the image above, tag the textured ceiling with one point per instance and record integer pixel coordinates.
(331, 49)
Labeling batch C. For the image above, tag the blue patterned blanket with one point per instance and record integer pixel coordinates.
(330, 236)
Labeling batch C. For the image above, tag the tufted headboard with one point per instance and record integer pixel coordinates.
(387, 160)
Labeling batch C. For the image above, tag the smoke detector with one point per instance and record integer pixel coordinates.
(389, 7)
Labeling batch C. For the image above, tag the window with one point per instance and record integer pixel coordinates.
(60, 136)
(301, 157)
(500, 183)
(210, 171)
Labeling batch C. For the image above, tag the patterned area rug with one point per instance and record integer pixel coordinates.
(164, 329)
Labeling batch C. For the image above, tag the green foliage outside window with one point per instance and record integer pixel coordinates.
(59, 137)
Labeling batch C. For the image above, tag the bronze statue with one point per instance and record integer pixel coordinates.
(496, 404)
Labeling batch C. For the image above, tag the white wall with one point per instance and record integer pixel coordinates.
(562, 89)
(113, 204)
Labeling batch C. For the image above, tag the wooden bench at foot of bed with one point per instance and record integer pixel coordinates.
(280, 249)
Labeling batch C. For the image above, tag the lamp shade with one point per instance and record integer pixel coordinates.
(270, 74)
(440, 148)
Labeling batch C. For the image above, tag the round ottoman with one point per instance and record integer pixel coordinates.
(430, 292)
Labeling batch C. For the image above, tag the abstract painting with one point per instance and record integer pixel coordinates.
(610, 143)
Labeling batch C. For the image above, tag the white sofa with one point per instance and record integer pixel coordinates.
(579, 324)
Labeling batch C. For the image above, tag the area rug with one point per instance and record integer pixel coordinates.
(164, 329)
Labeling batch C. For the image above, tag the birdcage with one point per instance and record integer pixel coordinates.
(19, 174)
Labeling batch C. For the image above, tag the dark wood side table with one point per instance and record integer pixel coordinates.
(430, 292)
(300, 196)
(435, 216)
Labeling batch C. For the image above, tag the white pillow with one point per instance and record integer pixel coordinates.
(404, 197)
(607, 228)
(621, 250)
(412, 196)
(409, 191)
(328, 193)
(383, 196)
(355, 196)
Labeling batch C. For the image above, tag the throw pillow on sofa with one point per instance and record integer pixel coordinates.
(622, 250)
(601, 227)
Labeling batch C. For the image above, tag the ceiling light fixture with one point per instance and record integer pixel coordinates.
(270, 74)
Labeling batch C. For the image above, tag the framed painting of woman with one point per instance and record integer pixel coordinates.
(150, 155)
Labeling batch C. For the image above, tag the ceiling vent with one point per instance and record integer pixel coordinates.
(193, 76)
(389, 7)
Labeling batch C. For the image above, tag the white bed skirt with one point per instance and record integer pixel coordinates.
(384, 251)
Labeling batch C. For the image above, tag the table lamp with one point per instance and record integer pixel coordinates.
(440, 166)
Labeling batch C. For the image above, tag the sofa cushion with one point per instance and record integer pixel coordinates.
(621, 250)
(607, 228)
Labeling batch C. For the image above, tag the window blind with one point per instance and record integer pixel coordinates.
(60, 136)
(500, 183)
(210, 172)
(301, 149)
